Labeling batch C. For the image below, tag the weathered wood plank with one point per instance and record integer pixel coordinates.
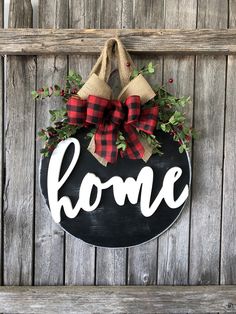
(208, 154)
(1, 137)
(80, 257)
(162, 299)
(49, 238)
(142, 264)
(111, 263)
(228, 245)
(91, 41)
(111, 267)
(173, 246)
(19, 158)
(148, 15)
(142, 260)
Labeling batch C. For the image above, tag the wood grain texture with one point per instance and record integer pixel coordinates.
(91, 41)
(228, 241)
(79, 256)
(111, 266)
(19, 158)
(49, 237)
(173, 250)
(162, 299)
(20, 14)
(208, 154)
(142, 259)
(111, 263)
(148, 15)
(1, 139)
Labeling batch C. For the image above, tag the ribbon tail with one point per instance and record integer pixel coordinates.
(134, 149)
(105, 142)
(92, 148)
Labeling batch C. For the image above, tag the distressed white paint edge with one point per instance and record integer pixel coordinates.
(122, 247)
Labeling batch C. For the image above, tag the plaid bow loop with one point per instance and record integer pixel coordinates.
(76, 110)
(96, 107)
(133, 107)
(110, 117)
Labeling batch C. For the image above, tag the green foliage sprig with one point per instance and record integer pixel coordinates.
(58, 131)
(72, 85)
(145, 70)
(172, 119)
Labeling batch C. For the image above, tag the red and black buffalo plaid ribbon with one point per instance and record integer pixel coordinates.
(110, 117)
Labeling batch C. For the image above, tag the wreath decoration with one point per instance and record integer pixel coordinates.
(129, 202)
(122, 127)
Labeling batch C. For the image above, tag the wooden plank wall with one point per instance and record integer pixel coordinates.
(49, 238)
(19, 153)
(201, 247)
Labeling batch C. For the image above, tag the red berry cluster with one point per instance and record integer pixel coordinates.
(56, 89)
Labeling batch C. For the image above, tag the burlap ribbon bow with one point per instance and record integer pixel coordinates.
(97, 86)
(110, 117)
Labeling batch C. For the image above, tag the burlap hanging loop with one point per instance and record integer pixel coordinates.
(114, 48)
(97, 83)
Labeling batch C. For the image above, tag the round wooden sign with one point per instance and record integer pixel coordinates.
(121, 205)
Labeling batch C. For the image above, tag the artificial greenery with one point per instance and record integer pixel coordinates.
(73, 84)
(58, 131)
(145, 70)
(171, 118)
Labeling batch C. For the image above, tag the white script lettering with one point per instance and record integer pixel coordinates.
(129, 188)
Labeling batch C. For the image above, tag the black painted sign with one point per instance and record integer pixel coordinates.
(121, 205)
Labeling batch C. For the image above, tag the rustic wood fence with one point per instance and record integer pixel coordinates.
(200, 249)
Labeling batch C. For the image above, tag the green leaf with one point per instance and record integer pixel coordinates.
(68, 85)
(71, 73)
(134, 73)
(41, 133)
(58, 114)
(150, 68)
(121, 137)
(176, 118)
(149, 140)
(90, 134)
(34, 94)
(57, 87)
(122, 146)
(172, 120)
(57, 92)
(163, 127)
(44, 151)
(78, 78)
(46, 92)
(168, 128)
(183, 101)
